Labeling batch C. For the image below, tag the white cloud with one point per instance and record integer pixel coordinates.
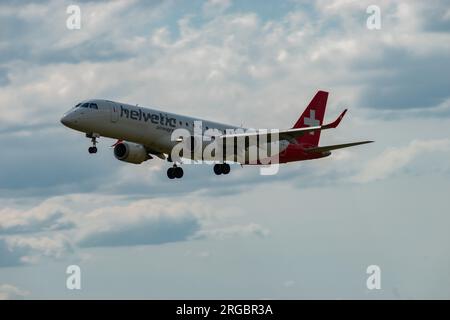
(126, 222)
(97, 19)
(231, 62)
(44, 217)
(393, 159)
(20, 250)
(213, 7)
(252, 229)
(159, 221)
(10, 292)
(143, 222)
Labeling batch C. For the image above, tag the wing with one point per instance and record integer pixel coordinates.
(287, 134)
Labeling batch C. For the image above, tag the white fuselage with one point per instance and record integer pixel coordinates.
(149, 127)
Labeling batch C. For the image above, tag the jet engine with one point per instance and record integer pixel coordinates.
(131, 152)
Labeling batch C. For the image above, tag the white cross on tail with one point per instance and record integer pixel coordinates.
(311, 121)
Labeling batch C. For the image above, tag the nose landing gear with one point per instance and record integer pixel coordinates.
(93, 138)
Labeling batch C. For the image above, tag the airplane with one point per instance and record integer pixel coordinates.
(144, 133)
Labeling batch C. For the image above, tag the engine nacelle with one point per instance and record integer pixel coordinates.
(131, 152)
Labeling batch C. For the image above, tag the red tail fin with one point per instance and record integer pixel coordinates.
(313, 116)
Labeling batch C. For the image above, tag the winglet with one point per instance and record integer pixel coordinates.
(336, 122)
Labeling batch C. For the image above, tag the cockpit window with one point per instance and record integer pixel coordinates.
(85, 105)
(93, 106)
(78, 104)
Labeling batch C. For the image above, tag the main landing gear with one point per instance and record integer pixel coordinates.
(93, 138)
(221, 168)
(175, 172)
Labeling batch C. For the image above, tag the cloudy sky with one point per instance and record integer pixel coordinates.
(308, 232)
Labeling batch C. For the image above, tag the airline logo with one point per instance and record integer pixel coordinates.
(156, 118)
(311, 121)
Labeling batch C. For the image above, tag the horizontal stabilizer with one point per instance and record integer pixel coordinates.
(336, 146)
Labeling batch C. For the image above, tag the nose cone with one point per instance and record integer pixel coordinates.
(65, 120)
(69, 120)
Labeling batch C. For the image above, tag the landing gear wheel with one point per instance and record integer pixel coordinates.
(171, 173)
(218, 169)
(178, 172)
(92, 150)
(225, 168)
(175, 172)
(221, 168)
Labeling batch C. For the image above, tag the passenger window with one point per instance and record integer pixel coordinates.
(93, 106)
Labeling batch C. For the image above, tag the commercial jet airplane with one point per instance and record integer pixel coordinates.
(142, 133)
